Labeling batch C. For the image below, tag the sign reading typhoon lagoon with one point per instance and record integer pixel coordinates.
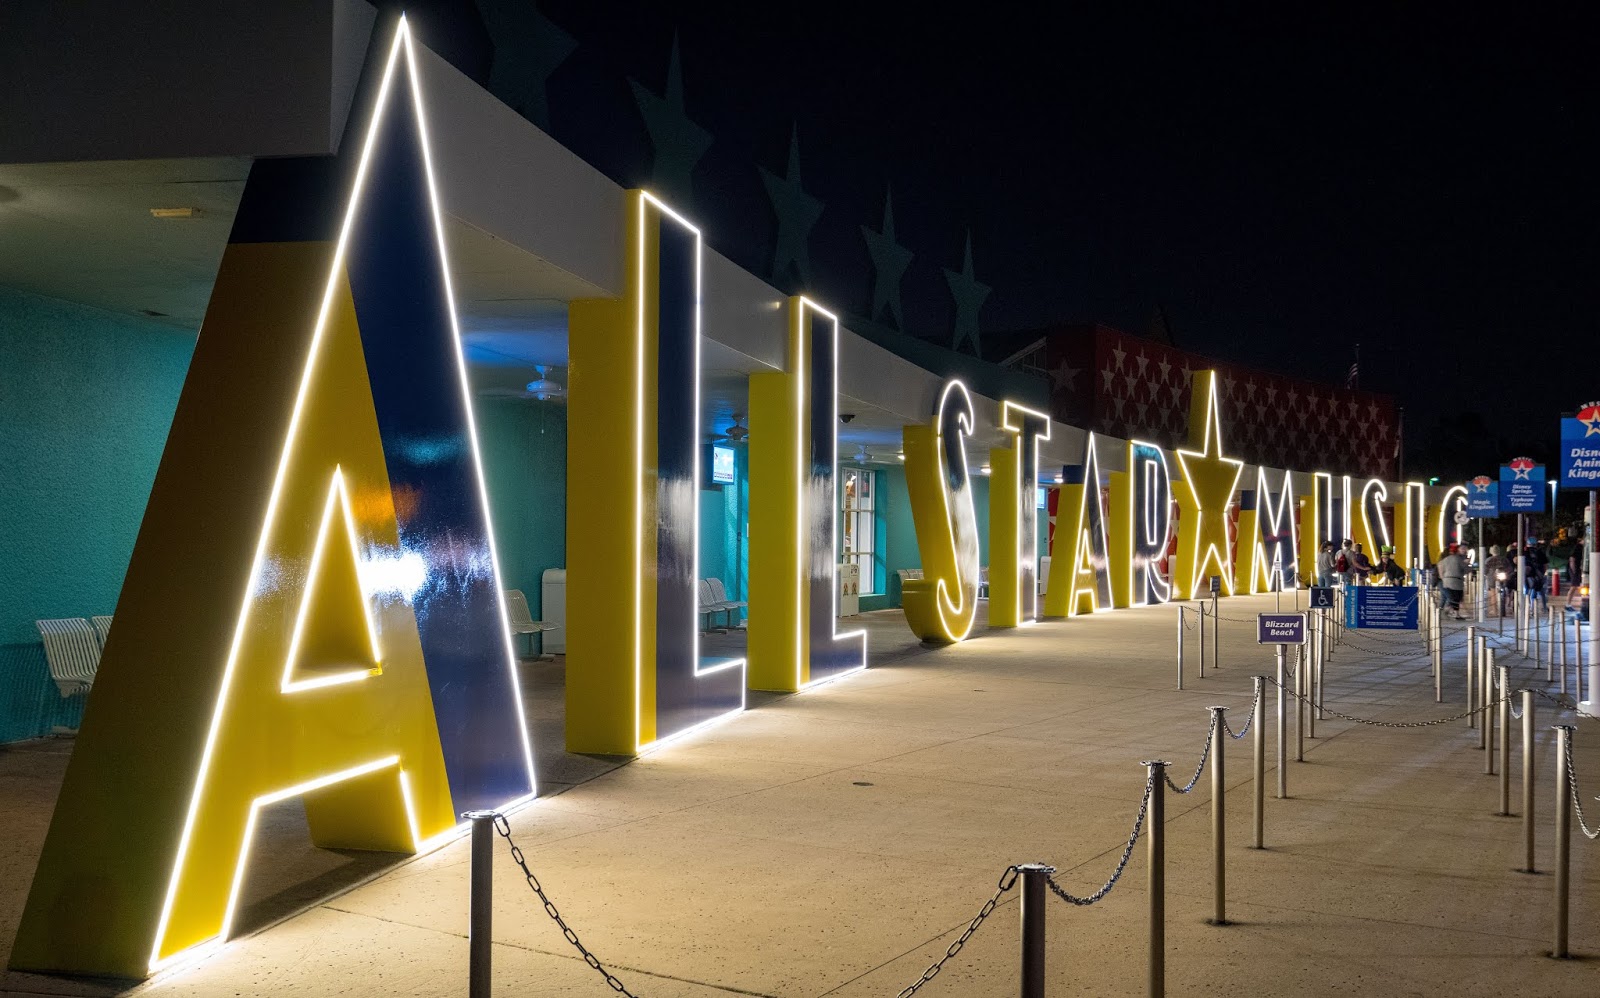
(1580, 448)
(1522, 486)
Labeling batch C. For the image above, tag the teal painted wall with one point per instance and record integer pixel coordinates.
(86, 398)
(524, 447)
(897, 537)
(724, 541)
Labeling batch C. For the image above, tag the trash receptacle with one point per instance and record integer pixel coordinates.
(553, 610)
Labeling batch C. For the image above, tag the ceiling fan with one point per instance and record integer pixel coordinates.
(738, 433)
(544, 388)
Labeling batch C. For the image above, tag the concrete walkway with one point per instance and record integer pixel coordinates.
(835, 842)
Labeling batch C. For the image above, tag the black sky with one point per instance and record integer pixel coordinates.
(1285, 184)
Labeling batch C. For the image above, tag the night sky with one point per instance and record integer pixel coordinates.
(1283, 187)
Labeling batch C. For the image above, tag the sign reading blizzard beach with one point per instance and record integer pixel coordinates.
(1580, 448)
(1522, 486)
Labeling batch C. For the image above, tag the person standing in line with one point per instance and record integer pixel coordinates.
(1344, 563)
(1325, 564)
(1498, 572)
(1361, 565)
(1452, 570)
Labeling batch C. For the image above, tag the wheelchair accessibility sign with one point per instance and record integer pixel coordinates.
(1322, 598)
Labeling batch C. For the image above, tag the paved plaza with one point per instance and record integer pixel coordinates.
(835, 842)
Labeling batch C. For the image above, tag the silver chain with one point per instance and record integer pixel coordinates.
(1256, 702)
(1577, 805)
(1386, 724)
(503, 826)
(1205, 753)
(1008, 880)
(1122, 864)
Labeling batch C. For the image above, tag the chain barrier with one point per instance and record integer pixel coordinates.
(1386, 724)
(1249, 720)
(1122, 864)
(1205, 753)
(503, 826)
(1008, 880)
(1577, 805)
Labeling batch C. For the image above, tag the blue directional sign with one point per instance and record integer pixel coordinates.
(1382, 608)
(1580, 449)
(1522, 486)
(1281, 629)
(1483, 497)
(1322, 597)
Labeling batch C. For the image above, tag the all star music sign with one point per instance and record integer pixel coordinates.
(1580, 448)
(1522, 486)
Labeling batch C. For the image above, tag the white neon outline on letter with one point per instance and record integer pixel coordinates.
(939, 594)
(1213, 431)
(1445, 513)
(1138, 519)
(401, 44)
(802, 556)
(1027, 492)
(1366, 521)
(1091, 456)
(338, 499)
(646, 198)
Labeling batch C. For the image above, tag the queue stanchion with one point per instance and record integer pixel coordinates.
(1157, 879)
(1550, 663)
(1258, 742)
(1033, 939)
(1563, 658)
(1219, 817)
(1527, 781)
(1313, 695)
(1563, 856)
(1485, 663)
(1202, 629)
(1181, 615)
(1283, 779)
(480, 905)
(1503, 708)
(1472, 654)
(1301, 683)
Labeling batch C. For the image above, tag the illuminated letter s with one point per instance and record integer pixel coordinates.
(941, 606)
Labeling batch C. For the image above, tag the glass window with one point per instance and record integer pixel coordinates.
(858, 527)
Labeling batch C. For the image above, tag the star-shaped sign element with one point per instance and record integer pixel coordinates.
(679, 143)
(1065, 376)
(1590, 418)
(889, 263)
(970, 294)
(1522, 467)
(797, 212)
(1211, 480)
(528, 47)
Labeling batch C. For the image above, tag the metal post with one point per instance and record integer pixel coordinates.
(1504, 710)
(1472, 663)
(1522, 580)
(1216, 634)
(1485, 670)
(1313, 694)
(1155, 821)
(1302, 683)
(1550, 662)
(1527, 781)
(1181, 615)
(1563, 859)
(1586, 656)
(1594, 605)
(1283, 779)
(1219, 825)
(1565, 661)
(1033, 908)
(1438, 656)
(480, 910)
(1202, 618)
(1258, 742)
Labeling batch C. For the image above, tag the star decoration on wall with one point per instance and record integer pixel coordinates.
(679, 143)
(889, 263)
(970, 294)
(528, 47)
(797, 212)
(1209, 477)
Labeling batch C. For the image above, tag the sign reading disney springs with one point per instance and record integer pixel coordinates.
(1522, 486)
(1580, 448)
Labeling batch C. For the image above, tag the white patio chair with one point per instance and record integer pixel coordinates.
(72, 653)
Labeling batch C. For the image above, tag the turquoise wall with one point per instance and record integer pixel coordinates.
(724, 542)
(524, 448)
(86, 398)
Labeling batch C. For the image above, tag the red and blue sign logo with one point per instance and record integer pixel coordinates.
(1580, 449)
(1522, 486)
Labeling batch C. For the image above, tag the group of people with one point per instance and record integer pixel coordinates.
(1348, 565)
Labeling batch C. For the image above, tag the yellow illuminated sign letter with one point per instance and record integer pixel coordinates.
(1209, 480)
(1014, 518)
(942, 604)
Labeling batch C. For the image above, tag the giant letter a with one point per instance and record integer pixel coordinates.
(313, 609)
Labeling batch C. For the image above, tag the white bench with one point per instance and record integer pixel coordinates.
(521, 619)
(720, 595)
(72, 652)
